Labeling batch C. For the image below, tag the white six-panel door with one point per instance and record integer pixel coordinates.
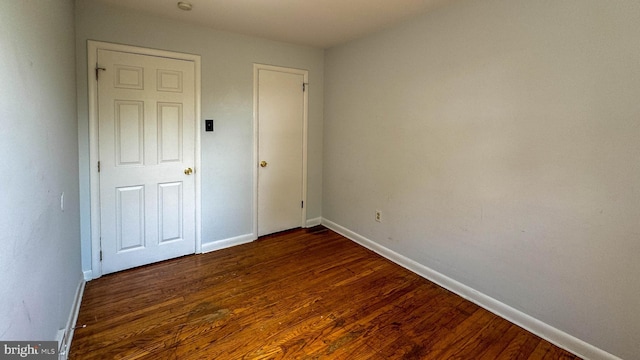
(146, 118)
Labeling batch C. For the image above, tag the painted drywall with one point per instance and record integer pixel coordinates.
(40, 257)
(500, 141)
(227, 97)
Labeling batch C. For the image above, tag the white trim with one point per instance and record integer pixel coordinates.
(92, 88)
(92, 59)
(71, 322)
(305, 138)
(305, 126)
(314, 222)
(227, 243)
(529, 323)
(254, 164)
(87, 275)
(198, 152)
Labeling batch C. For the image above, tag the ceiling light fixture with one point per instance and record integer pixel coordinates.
(184, 6)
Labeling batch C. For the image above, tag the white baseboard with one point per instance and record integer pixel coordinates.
(223, 244)
(313, 222)
(71, 321)
(543, 330)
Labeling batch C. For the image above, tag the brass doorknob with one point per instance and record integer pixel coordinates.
(263, 163)
(188, 171)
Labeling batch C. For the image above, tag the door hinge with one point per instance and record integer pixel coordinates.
(304, 87)
(302, 204)
(98, 166)
(100, 255)
(98, 68)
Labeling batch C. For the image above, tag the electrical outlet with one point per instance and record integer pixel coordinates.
(378, 216)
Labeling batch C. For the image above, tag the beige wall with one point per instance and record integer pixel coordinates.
(227, 97)
(39, 241)
(500, 140)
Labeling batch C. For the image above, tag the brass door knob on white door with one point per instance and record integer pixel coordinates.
(188, 171)
(263, 163)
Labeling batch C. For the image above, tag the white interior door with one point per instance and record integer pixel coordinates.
(280, 120)
(146, 118)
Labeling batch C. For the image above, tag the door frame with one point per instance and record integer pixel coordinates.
(305, 120)
(92, 62)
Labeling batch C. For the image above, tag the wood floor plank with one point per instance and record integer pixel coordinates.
(295, 295)
(496, 348)
(521, 347)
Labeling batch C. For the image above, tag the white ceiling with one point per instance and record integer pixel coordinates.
(317, 23)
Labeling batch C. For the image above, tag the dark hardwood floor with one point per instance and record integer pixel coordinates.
(295, 295)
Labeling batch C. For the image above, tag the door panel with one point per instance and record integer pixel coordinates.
(146, 111)
(280, 145)
(129, 118)
(169, 132)
(130, 218)
(170, 200)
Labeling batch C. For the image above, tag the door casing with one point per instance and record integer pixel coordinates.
(305, 74)
(92, 57)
